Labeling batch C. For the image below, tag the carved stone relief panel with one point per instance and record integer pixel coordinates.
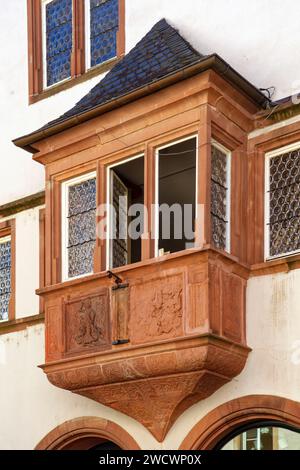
(156, 308)
(87, 323)
(53, 323)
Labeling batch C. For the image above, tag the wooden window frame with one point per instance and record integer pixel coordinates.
(64, 225)
(268, 157)
(7, 229)
(79, 71)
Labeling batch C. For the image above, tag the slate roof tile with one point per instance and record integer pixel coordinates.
(161, 52)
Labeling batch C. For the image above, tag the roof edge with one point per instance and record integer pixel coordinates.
(213, 61)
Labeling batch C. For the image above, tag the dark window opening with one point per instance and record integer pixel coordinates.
(106, 446)
(177, 191)
(127, 224)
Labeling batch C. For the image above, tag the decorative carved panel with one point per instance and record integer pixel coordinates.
(198, 300)
(54, 340)
(233, 299)
(156, 307)
(87, 323)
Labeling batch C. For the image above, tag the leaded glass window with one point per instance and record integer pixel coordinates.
(120, 204)
(284, 203)
(220, 210)
(103, 24)
(81, 223)
(5, 277)
(58, 40)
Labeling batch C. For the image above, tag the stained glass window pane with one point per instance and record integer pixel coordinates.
(219, 189)
(284, 194)
(5, 278)
(104, 23)
(81, 227)
(58, 20)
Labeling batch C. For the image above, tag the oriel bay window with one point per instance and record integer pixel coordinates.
(78, 226)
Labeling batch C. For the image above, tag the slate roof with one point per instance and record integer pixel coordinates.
(161, 52)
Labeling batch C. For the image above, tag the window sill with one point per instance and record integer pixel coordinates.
(283, 264)
(151, 261)
(66, 84)
(12, 326)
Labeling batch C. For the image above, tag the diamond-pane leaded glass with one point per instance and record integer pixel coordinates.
(104, 23)
(81, 227)
(58, 40)
(5, 278)
(120, 203)
(219, 189)
(284, 194)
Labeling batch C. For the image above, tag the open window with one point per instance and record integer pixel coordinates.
(126, 217)
(176, 168)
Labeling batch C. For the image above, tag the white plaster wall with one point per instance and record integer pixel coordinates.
(27, 261)
(273, 366)
(30, 406)
(258, 37)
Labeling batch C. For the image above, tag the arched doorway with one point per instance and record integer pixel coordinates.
(88, 433)
(237, 415)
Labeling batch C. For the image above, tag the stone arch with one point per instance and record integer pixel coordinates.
(86, 433)
(226, 418)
